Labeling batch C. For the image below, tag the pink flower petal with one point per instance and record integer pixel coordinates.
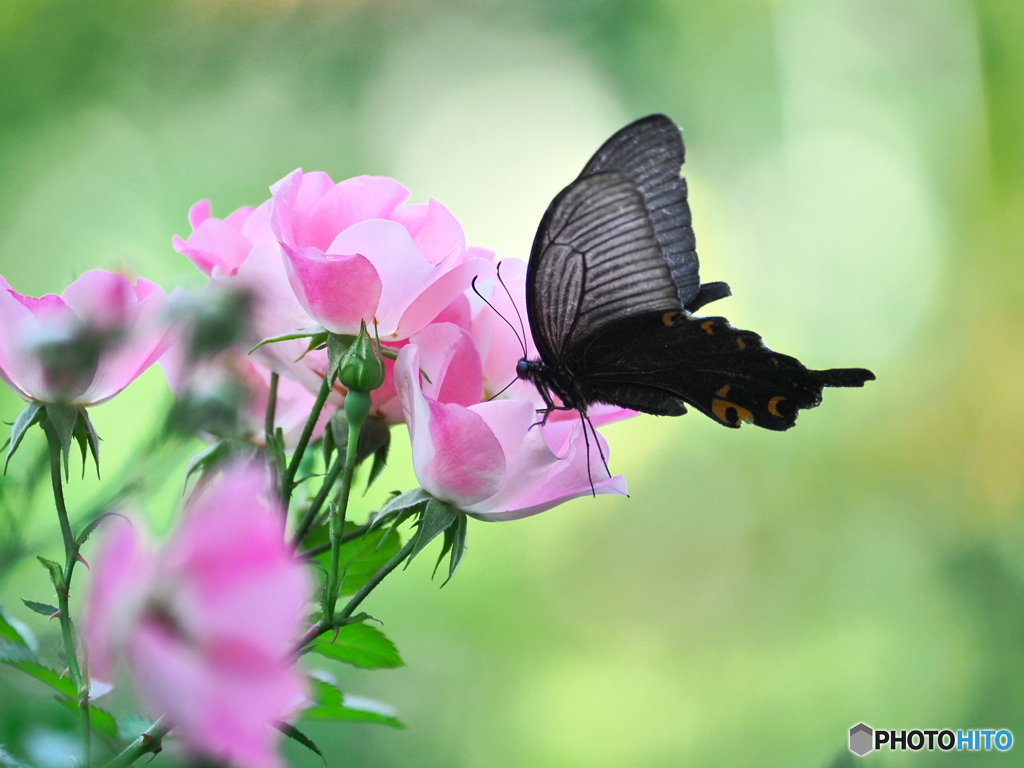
(339, 291)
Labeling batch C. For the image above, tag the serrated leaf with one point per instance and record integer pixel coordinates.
(130, 727)
(41, 673)
(54, 569)
(16, 653)
(101, 721)
(437, 517)
(356, 709)
(92, 526)
(296, 735)
(43, 609)
(361, 646)
(30, 414)
(13, 631)
(324, 694)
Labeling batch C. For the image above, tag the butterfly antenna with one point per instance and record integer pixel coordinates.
(600, 450)
(503, 389)
(511, 301)
(586, 442)
(485, 301)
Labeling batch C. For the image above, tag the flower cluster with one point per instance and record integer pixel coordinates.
(208, 625)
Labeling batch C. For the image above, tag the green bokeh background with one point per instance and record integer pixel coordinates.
(857, 175)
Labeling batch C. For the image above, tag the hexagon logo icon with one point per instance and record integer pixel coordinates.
(861, 739)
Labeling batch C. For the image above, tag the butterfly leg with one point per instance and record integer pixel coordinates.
(586, 442)
(600, 450)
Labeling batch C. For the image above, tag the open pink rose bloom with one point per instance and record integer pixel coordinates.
(86, 345)
(206, 623)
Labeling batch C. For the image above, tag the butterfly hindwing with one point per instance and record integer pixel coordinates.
(657, 363)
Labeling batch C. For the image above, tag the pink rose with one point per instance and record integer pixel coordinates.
(205, 624)
(354, 252)
(487, 460)
(86, 345)
(240, 253)
(232, 372)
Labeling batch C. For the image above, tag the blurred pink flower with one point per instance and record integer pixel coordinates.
(500, 346)
(354, 252)
(240, 252)
(206, 624)
(232, 372)
(86, 345)
(486, 459)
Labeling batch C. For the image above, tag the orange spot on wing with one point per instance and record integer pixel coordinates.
(721, 409)
(709, 327)
(740, 342)
(773, 405)
(723, 391)
(669, 318)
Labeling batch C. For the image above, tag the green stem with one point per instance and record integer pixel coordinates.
(268, 424)
(340, 510)
(338, 619)
(352, 535)
(376, 579)
(62, 586)
(288, 483)
(149, 741)
(314, 509)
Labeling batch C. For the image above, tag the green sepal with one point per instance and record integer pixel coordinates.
(338, 346)
(318, 337)
(361, 646)
(210, 456)
(357, 364)
(437, 517)
(63, 419)
(31, 414)
(455, 544)
(41, 608)
(298, 736)
(14, 632)
(88, 441)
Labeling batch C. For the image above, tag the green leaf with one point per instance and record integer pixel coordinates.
(324, 693)
(380, 461)
(356, 709)
(31, 414)
(295, 734)
(92, 526)
(43, 609)
(437, 517)
(361, 646)
(45, 675)
(54, 569)
(7, 760)
(13, 631)
(359, 558)
(210, 456)
(101, 721)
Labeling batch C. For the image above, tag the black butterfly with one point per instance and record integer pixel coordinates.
(611, 289)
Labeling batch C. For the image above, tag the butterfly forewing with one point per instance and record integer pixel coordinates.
(595, 261)
(650, 153)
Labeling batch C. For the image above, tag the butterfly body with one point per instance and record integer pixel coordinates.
(612, 288)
